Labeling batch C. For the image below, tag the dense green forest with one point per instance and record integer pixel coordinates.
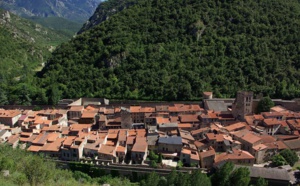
(26, 168)
(174, 50)
(25, 46)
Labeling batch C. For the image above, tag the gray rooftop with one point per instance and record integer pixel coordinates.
(175, 140)
(152, 139)
(267, 173)
(167, 125)
(215, 105)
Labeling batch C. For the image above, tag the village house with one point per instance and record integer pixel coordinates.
(75, 112)
(189, 157)
(139, 150)
(9, 117)
(207, 158)
(107, 152)
(170, 147)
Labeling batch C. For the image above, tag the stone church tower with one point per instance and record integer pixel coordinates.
(242, 105)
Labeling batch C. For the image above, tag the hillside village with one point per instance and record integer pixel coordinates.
(202, 135)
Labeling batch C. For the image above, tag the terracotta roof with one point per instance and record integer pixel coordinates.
(286, 137)
(135, 109)
(236, 126)
(69, 140)
(271, 121)
(161, 120)
(41, 139)
(294, 123)
(12, 139)
(194, 132)
(52, 137)
(90, 108)
(53, 147)
(140, 145)
(272, 114)
(199, 144)
(80, 127)
(251, 138)
(260, 147)
(186, 135)
(217, 137)
(34, 148)
(208, 153)
(278, 109)
(76, 108)
(258, 117)
(88, 114)
(110, 143)
(185, 151)
(105, 149)
(112, 136)
(130, 140)
(185, 125)
(234, 155)
(122, 135)
(162, 108)
(276, 145)
(189, 118)
(121, 149)
(9, 113)
(26, 134)
(267, 138)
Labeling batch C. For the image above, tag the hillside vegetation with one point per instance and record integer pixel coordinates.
(61, 25)
(174, 50)
(25, 46)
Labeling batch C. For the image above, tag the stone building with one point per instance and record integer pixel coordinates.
(242, 105)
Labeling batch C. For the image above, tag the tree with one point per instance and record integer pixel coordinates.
(290, 156)
(153, 156)
(153, 164)
(265, 104)
(152, 180)
(54, 95)
(172, 177)
(261, 182)
(199, 179)
(278, 160)
(159, 158)
(179, 164)
(222, 175)
(240, 177)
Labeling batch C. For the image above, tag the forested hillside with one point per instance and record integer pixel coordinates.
(24, 47)
(174, 50)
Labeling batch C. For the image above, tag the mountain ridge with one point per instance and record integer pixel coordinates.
(75, 10)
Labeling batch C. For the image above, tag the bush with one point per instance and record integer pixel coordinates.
(290, 156)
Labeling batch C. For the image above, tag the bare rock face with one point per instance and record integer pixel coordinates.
(103, 12)
(6, 16)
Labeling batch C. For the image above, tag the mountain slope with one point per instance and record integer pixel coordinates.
(174, 50)
(25, 46)
(75, 10)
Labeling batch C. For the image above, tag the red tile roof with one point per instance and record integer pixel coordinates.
(271, 121)
(208, 153)
(217, 137)
(235, 155)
